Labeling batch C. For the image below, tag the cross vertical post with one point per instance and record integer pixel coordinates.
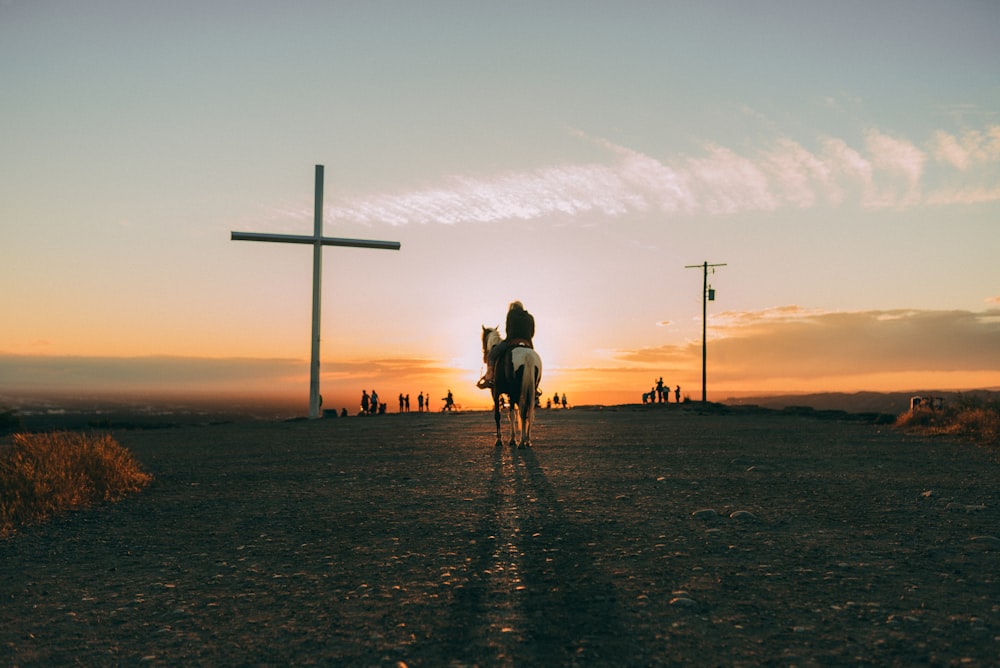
(317, 240)
(314, 399)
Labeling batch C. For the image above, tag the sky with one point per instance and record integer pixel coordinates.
(841, 160)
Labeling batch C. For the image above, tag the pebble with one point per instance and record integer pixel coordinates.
(986, 541)
(704, 514)
(683, 602)
(742, 515)
(955, 506)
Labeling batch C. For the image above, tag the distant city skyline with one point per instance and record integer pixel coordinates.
(843, 161)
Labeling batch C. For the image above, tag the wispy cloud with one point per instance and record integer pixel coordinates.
(885, 172)
(897, 168)
(971, 148)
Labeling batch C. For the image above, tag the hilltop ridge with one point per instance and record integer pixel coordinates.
(852, 402)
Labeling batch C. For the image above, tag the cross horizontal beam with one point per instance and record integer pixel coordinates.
(325, 241)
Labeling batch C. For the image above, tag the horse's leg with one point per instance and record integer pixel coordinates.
(527, 415)
(512, 411)
(529, 391)
(527, 411)
(496, 416)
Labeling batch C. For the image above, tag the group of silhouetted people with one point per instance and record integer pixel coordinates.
(371, 405)
(660, 394)
(556, 402)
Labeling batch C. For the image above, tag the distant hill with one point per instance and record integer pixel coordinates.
(859, 402)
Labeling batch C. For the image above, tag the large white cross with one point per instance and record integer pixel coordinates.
(318, 241)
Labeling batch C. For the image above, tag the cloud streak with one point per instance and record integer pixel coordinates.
(218, 377)
(49, 373)
(886, 172)
(794, 343)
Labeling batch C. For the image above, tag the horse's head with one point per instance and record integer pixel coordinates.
(491, 337)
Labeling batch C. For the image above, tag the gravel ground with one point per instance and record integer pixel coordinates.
(628, 536)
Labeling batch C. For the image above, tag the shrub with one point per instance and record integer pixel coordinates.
(969, 416)
(45, 474)
(980, 424)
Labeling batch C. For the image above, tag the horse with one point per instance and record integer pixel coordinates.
(517, 375)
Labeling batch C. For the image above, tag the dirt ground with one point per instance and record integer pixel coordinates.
(627, 536)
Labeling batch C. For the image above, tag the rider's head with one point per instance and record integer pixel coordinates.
(515, 306)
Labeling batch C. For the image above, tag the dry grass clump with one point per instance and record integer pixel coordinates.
(45, 474)
(969, 416)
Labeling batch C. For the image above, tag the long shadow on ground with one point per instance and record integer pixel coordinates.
(535, 595)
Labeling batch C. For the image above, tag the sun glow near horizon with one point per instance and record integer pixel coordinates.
(742, 362)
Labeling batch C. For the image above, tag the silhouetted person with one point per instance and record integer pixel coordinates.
(520, 330)
(401, 402)
(365, 402)
(420, 402)
(564, 400)
(677, 394)
(659, 390)
(406, 402)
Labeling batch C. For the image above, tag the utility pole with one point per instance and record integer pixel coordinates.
(707, 295)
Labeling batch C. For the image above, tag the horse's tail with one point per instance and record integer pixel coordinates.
(531, 379)
(537, 371)
(527, 376)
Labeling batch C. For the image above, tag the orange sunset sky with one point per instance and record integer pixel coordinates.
(841, 159)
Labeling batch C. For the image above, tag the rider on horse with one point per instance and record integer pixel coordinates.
(520, 328)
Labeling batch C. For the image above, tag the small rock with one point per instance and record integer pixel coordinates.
(955, 506)
(742, 516)
(989, 542)
(683, 602)
(704, 514)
